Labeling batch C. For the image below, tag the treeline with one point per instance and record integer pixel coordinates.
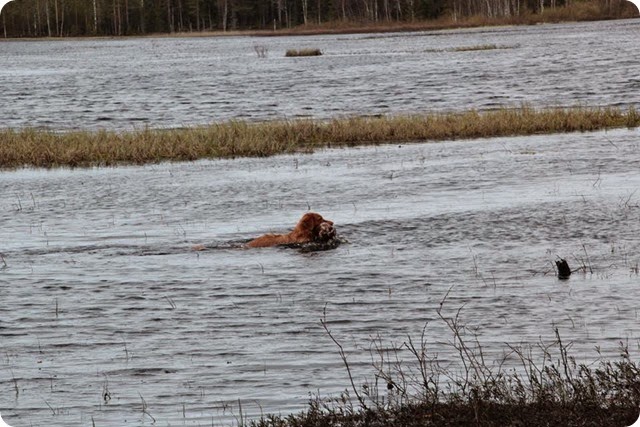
(57, 18)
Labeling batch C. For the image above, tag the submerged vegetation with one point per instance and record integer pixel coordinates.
(475, 47)
(531, 386)
(44, 148)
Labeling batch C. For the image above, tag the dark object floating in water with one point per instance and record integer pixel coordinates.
(563, 269)
(327, 242)
(327, 239)
(317, 245)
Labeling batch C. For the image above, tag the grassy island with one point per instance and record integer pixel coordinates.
(46, 148)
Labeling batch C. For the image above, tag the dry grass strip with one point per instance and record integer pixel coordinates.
(44, 148)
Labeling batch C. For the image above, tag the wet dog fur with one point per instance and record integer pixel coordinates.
(310, 228)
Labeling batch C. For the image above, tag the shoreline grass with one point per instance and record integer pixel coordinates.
(541, 385)
(580, 11)
(45, 148)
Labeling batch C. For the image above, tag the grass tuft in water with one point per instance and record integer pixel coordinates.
(44, 148)
(303, 52)
(475, 47)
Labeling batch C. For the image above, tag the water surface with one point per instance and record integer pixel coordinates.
(172, 82)
(106, 310)
(102, 295)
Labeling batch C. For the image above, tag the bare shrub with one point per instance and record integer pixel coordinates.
(261, 50)
(532, 385)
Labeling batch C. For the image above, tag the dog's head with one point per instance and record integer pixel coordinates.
(313, 226)
(326, 232)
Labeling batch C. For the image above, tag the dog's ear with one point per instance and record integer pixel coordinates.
(304, 223)
(317, 220)
(310, 221)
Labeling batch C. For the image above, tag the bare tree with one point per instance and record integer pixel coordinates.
(61, 30)
(305, 10)
(223, 7)
(95, 17)
(48, 20)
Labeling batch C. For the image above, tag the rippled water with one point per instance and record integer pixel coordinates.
(120, 84)
(106, 309)
(101, 292)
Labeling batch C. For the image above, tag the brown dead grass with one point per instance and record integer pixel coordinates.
(42, 148)
(303, 52)
(576, 11)
(533, 385)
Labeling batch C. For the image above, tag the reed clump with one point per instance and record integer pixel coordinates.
(43, 148)
(303, 52)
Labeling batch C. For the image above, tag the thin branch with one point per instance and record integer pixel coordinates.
(343, 356)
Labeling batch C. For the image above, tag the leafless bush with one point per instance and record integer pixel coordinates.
(261, 50)
(532, 385)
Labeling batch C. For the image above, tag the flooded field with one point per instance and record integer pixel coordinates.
(109, 319)
(106, 307)
(126, 83)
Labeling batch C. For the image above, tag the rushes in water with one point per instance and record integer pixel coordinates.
(303, 52)
(476, 47)
(42, 148)
(145, 410)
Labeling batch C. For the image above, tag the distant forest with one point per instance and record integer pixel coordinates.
(57, 18)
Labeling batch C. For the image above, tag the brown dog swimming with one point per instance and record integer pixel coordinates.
(311, 227)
